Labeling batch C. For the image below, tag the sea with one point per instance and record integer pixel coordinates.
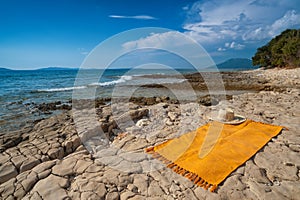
(22, 90)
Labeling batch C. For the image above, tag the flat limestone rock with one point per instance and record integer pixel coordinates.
(155, 190)
(141, 182)
(52, 187)
(112, 196)
(7, 171)
(129, 167)
(134, 157)
(29, 164)
(18, 160)
(65, 167)
(29, 182)
(126, 195)
(44, 166)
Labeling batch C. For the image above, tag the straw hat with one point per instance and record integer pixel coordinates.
(227, 116)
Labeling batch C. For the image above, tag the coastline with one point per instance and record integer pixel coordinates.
(51, 151)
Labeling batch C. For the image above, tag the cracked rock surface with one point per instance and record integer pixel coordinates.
(51, 162)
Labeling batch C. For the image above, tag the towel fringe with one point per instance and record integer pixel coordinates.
(197, 180)
(201, 182)
(188, 175)
(213, 188)
(193, 177)
(183, 172)
(149, 150)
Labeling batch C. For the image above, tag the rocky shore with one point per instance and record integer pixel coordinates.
(64, 157)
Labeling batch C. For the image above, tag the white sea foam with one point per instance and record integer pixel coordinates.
(153, 74)
(122, 79)
(61, 89)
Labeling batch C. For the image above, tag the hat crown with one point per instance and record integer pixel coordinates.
(226, 114)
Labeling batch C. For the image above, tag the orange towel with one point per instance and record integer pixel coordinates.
(209, 154)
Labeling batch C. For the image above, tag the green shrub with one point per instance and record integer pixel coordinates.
(281, 51)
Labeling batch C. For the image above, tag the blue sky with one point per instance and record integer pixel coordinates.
(37, 33)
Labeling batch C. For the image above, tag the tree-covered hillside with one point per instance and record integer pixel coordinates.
(281, 51)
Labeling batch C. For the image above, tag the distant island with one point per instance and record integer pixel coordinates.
(4, 69)
(40, 69)
(56, 68)
(237, 64)
(234, 64)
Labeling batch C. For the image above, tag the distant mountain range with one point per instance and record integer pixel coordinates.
(57, 68)
(232, 64)
(43, 69)
(236, 64)
(4, 69)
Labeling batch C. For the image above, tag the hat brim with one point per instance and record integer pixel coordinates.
(238, 119)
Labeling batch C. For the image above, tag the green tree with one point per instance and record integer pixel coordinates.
(281, 51)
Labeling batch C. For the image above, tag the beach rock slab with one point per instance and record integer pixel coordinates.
(18, 160)
(7, 171)
(141, 182)
(64, 167)
(126, 195)
(29, 182)
(29, 164)
(44, 166)
(6, 189)
(154, 189)
(112, 196)
(52, 187)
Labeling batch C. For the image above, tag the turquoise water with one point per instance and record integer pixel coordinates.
(21, 90)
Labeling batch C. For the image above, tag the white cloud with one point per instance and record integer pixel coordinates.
(242, 21)
(83, 51)
(231, 45)
(157, 40)
(170, 42)
(185, 8)
(226, 24)
(215, 23)
(291, 18)
(142, 17)
(236, 46)
(256, 34)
